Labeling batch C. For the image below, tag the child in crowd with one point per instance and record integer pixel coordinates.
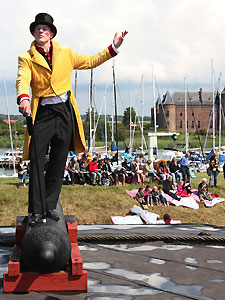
(174, 187)
(166, 219)
(180, 186)
(147, 195)
(155, 196)
(140, 198)
(187, 187)
(162, 197)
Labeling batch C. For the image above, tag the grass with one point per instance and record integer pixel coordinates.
(95, 205)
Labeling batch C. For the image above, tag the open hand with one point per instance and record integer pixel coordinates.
(118, 39)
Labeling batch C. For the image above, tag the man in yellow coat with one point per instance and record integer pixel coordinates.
(47, 68)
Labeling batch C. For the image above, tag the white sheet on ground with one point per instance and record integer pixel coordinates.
(148, 217)
(128, 220)
(213, 202)
(187, 202)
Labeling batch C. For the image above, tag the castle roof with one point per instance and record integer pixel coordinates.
(192, 99)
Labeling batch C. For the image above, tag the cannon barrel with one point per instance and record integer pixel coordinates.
(46, 247)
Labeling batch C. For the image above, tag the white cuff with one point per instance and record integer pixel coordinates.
(115, 49)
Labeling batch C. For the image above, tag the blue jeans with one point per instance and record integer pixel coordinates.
(185, 173)
(213, 174)
(176, 177)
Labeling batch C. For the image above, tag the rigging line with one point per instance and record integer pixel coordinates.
(196, 127)
(98, 121)
(164, 114)
(214, 100)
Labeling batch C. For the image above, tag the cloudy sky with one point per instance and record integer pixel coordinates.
(175, 38)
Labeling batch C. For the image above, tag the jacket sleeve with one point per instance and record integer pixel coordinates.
(82, 62)
(23, 76)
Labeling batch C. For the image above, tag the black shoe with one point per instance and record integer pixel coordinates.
(52, 215)
(35, 219)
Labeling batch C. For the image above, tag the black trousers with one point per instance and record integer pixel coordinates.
(52, 129)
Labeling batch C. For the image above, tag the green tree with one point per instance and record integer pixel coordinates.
(126, 116)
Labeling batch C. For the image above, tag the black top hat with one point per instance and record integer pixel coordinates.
(43, 19)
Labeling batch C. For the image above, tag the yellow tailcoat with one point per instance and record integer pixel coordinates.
(34, 72)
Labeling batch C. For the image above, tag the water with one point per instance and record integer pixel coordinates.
(5, 171)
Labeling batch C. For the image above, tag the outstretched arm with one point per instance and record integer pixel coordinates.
(118, 39)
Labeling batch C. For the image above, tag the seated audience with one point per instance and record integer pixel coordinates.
(95, 172)
(167, 188)
(203, 191)
(148, 170)
(162, 197)
(73, 169)
(174, 170)
(107, 168)
(84, 170)
(119, 175)
(147, 195)
(128, 154)
(138, 172)
(127, 165)
(162, 169)
(140, 197)
(155, 196)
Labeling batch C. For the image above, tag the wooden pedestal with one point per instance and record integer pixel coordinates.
(73, 279)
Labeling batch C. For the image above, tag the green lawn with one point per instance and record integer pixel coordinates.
(95, 205)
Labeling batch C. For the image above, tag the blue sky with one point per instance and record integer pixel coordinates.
(178, 38)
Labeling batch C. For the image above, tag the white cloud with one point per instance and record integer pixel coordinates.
(177, 37)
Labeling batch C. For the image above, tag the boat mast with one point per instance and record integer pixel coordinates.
(114, 90)
(75, 94)
(90, 112)
(10, 131)
(106, 150)
(154, 99)
(130, 115)
(185, 114)
(220, 111)
(113, 109)
(142, 113)
(213, 95)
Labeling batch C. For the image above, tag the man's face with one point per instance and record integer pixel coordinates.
(42, 34)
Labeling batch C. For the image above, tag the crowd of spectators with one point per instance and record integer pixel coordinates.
(85, 169)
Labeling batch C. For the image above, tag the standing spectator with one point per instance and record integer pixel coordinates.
(22, 172)
(128, 154)
(184, 168)
(174, 170)
(213, 170)
(95, 172)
